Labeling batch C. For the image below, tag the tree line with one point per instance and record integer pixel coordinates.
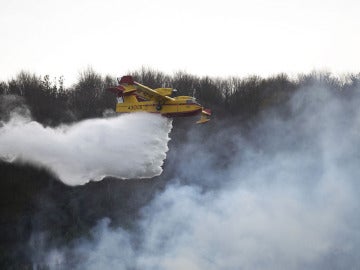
(51, 103)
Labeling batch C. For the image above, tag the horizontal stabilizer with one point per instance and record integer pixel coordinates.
(122, 90)
(116, 90)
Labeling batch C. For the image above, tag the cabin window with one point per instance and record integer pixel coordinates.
(120, 100)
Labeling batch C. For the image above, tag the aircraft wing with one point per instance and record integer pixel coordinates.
(148, 93)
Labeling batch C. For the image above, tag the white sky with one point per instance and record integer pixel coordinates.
(216, 38)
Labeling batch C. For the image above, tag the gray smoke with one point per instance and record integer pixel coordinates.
(11, 106)
(284, 196)
(127, 146)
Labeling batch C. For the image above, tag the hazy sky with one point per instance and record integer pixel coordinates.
(217, 38)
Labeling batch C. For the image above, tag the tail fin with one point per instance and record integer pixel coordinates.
(126, 80)
(126, 87)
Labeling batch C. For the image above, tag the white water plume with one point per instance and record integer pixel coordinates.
(126, 146)
(286, 199)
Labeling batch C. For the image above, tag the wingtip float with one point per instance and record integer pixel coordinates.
(135, 97)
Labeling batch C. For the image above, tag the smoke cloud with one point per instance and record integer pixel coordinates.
(283, 196)
(126, 146)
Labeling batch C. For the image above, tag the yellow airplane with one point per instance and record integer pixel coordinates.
(135, 97)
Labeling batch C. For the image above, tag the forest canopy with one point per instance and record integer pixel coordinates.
(51, 103)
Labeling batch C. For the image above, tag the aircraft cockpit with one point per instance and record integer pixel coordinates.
(120, 100)
(192, 100)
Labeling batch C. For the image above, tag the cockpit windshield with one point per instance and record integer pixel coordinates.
(191, 101)
(120, 100)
